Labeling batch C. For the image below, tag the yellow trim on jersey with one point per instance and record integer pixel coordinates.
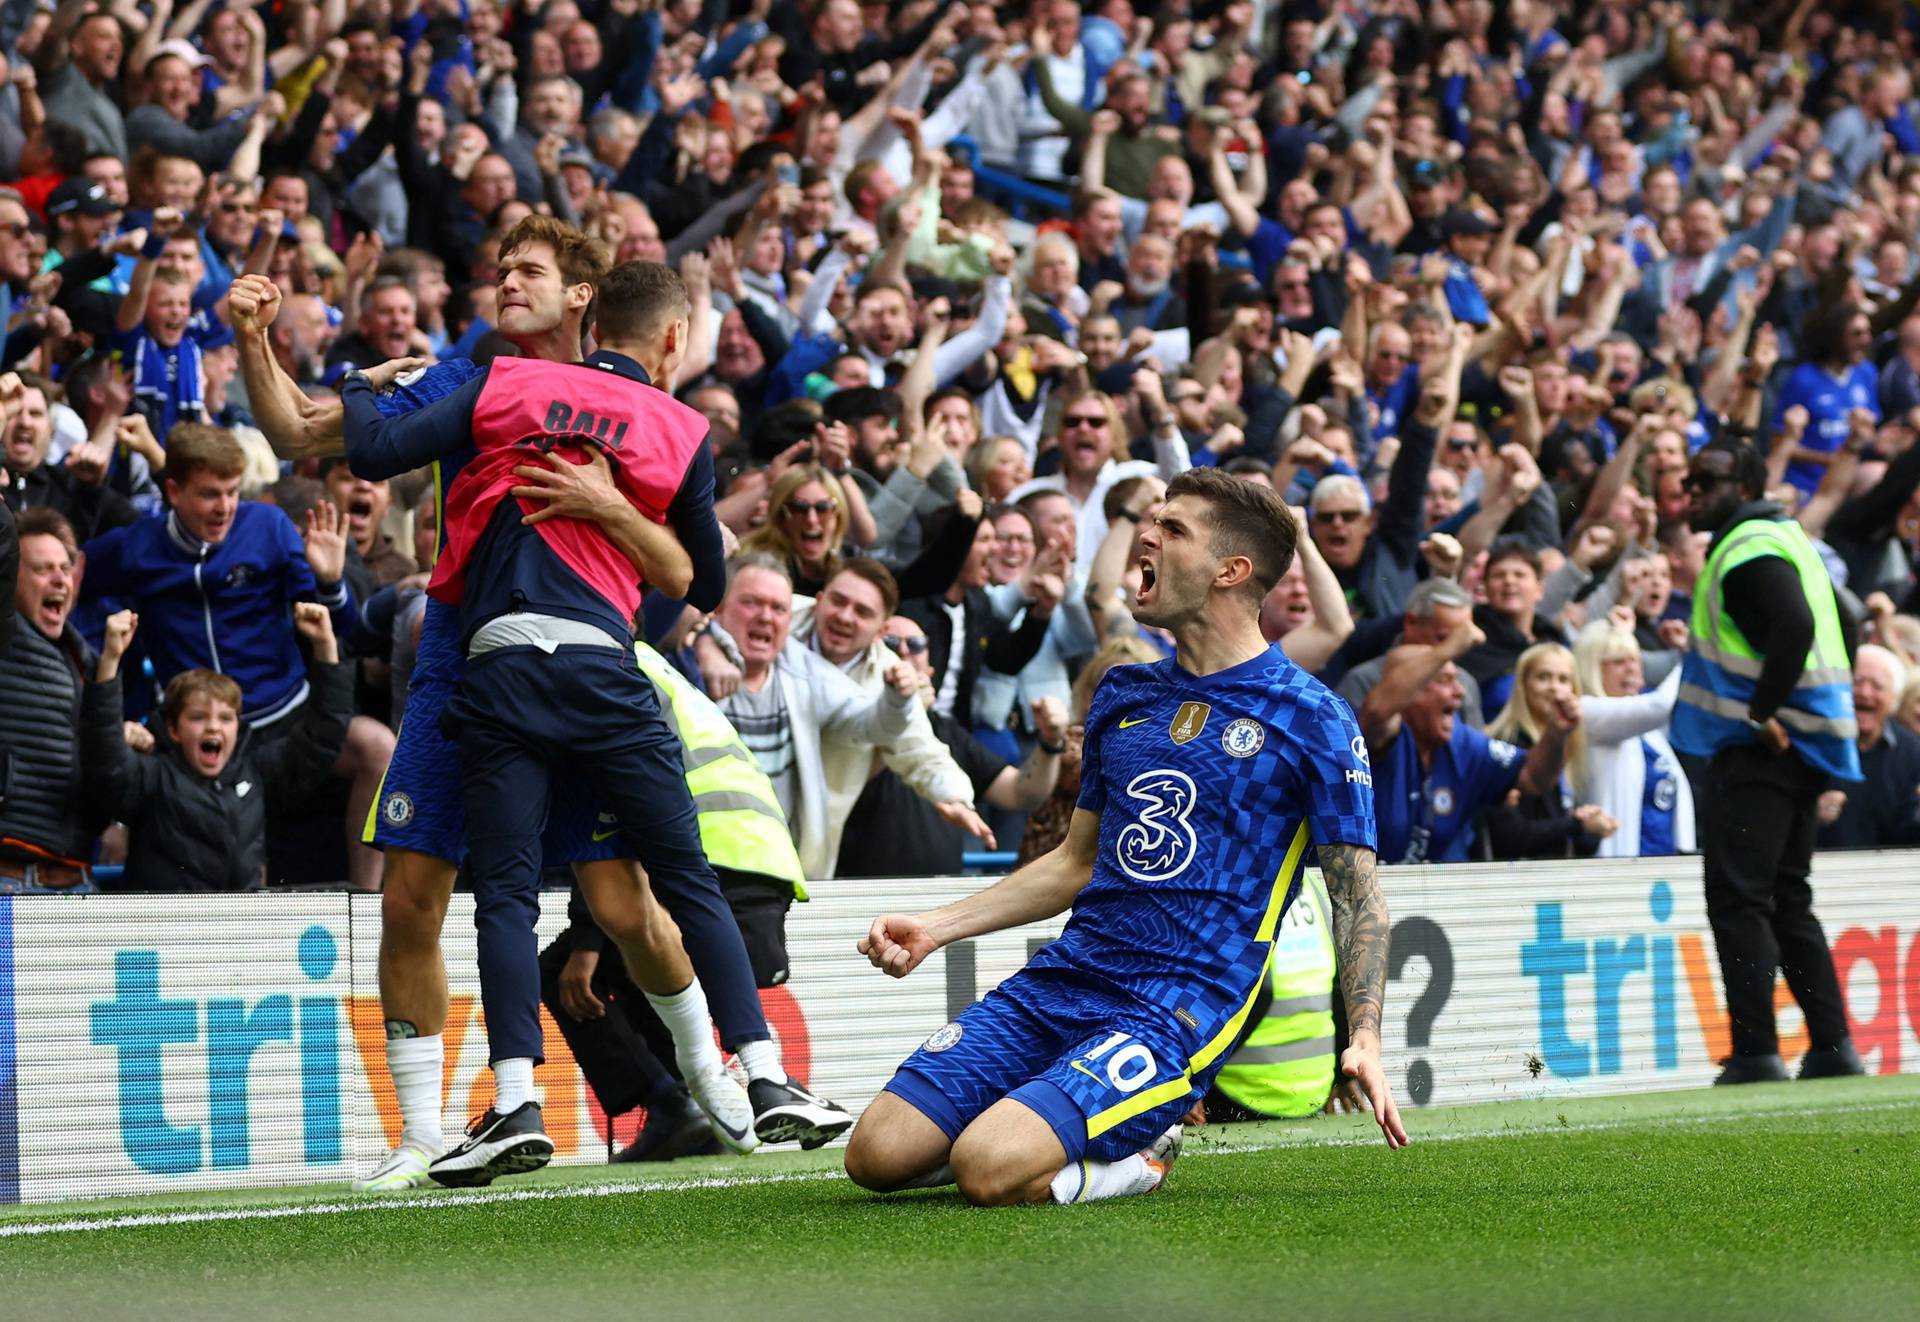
(439, 514)
(1277, 901)
(1101, 1121)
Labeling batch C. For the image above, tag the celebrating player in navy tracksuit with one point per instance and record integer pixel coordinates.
(545, 610)
(547, 274)
(1205, 778)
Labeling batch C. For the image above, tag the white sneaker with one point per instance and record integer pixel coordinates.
(728, 1109)
(405, 1168)
(1160, 1154)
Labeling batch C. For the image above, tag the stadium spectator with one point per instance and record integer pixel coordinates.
(1435, 610)
(845, 625)
(46, 819)
(1630, 770)
(196, 809)
(891, 832)
(1883, 811)
(77, 489)
(787, 702)
(1434, 775)
(215, 580)
(1509, 618)
(1552, 824)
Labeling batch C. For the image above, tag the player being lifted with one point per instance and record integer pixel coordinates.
(1205, 778)
(419, 819)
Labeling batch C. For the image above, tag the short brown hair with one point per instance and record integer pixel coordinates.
(581, 258)
(638, 298)
(866, 567)
(1248, 519)
(45, 521)
(188, 684)
(196, 446)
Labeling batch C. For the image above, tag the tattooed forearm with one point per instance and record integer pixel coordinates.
(1361, 932)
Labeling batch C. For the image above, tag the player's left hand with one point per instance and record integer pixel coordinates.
(572, 491)
(1360, 1062)
(960, 815)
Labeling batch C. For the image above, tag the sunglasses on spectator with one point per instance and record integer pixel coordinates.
(905, 646)
(1082, 420)
(1338, 516)
(802, 508)
(1455, 443)
(234, 208)
(18, 228)
(1703, 481)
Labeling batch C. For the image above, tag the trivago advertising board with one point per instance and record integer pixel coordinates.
(153, 1043)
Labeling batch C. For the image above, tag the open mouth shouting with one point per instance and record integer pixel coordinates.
(208, 753)
(359, 514)
(1149, 579)
(52, 614)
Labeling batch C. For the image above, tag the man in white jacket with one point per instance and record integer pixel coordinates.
(844, 625)
(813, 728)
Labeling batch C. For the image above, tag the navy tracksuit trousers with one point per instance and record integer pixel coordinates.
(518, 714)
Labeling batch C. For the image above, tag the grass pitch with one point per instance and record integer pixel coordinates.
(1790, 1200)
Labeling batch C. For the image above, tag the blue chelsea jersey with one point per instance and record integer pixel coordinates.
(439, 654)
(1427, 815)
(1212, 792)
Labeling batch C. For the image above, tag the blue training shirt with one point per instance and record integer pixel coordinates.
(1211, 791)
(1428, 817)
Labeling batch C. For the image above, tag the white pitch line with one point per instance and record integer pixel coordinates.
(554, 1193)
(457, 1198)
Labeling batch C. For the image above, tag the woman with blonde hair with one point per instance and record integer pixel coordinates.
(1629, 768)
(1047, 827)
(1543, 825)
(996, 466)
(806, 525)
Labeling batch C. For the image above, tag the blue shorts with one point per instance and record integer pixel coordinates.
(1107, 1076)
(419, 806)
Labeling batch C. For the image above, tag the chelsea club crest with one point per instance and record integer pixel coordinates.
(1243, 738)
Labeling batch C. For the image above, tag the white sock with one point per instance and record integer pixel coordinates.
(415, 1064)
(512, 1084)
(762, 1061)
(685, 1015)
(1086, 1181)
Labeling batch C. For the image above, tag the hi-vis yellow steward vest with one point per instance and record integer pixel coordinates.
(1285, 1067)
(1718, 676)
(741, 825)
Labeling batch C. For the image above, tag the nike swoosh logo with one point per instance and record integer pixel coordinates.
(1089, 1073)
(1138, 720)
(598, 836)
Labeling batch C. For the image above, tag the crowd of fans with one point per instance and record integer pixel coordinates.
(1467, 282)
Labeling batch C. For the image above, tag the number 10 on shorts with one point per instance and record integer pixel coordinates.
(1129, 1065)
